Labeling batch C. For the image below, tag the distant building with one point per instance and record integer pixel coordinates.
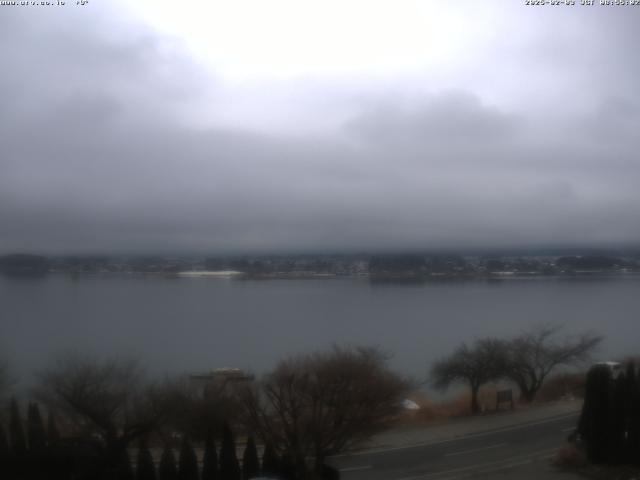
(216, 380)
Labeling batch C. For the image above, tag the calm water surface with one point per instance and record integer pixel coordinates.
(195, 324)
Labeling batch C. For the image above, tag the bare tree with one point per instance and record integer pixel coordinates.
(534, 354)
(317, 405)
(482, 362)
(104, 397)
(6, 382)
(193, 410)
(5, 378)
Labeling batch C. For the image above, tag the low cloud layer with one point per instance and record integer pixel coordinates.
(111, 142)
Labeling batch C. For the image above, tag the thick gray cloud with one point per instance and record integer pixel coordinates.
(103, 147)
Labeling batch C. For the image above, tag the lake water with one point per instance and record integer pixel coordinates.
(196, 324)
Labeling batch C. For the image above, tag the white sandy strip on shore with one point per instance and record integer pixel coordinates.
(217, 273)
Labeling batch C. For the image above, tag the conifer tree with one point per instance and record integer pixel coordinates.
(168, 469)
(124, 469)
(146, 470)
(188, 462)
(250, 462)
(4, 445)
(629, 395)
(616, 422)
(270, 462)
(634, 420)
(287, 468)
(53, 435)
(35, 430)
(16, 430)
(594, 419)
(229, 466)
(210, 459)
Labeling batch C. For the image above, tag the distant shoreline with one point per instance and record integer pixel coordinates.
(383, 268)
(375, 278)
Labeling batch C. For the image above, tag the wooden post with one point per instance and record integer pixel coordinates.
(504, 396)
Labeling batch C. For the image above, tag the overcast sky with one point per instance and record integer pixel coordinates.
(291, 125)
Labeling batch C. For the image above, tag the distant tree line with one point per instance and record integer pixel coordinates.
(429, 266)
(609, 425)
(380, 267)
(589, 262)
(526, 360)
(23, 264)
(397, 265)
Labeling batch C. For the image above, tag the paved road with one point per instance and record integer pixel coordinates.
(503, 453)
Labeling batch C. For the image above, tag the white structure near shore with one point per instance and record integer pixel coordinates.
(213, 274)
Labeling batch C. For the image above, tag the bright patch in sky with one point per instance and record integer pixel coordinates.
(289, 38)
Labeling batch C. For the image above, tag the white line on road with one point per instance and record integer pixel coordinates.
(497, 465)
(505, 466)
(473, 450)
(354, 469)
(374, 451)
(489, 470)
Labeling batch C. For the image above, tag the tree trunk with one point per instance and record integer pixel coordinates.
(295, 467)
(527, 395)
(318, 465)
(528, 392)
(324, 472)
(475, 406)
(319, 461)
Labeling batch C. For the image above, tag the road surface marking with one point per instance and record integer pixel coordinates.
(488, 470)
(498, 468)
(512, 461)
(462, 437)
(506, 466)
(568, 429)
(472, 450)
(354, 469)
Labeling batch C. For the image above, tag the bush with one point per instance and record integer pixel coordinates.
(563, 385)
(570, 457)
